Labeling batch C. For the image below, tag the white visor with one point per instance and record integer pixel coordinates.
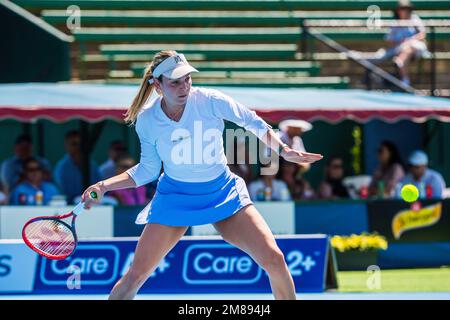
(174, 67)
(297, 123)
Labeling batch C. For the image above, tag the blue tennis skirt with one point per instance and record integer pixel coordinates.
(178, 203)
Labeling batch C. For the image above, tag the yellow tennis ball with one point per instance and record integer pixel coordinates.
(410, 193)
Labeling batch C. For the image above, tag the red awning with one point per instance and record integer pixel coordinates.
(95, 102)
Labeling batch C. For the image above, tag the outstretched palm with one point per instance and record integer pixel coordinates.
(295, 156)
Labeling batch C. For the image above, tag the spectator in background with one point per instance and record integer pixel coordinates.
(405, 42)
(389, 171)
(11, 169)
(290, 133)
(108, 168)
(132, 196)
(302, 190)
(430, 183)
(268, 188)
(68, 171)
(33, 190)
(332, 187)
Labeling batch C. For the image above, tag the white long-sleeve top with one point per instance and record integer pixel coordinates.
(192, 148)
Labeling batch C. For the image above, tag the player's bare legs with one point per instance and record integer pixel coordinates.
(248, 231)
(155, 242)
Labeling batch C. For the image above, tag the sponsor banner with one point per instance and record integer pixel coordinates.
(194, 265)
(17, 268)
(415, 218)
(400, 222)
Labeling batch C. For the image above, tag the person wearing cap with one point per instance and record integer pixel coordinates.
(290, 133)
(408, 41)
(429, 182)
(12, 168)
(182, 128)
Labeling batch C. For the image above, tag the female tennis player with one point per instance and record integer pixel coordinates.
(192, 190)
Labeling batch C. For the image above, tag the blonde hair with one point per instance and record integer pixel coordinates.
(146, 89)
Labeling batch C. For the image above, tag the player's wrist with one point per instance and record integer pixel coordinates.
(102, 186)
(283, 149)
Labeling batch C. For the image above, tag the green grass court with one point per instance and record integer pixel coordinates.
(401, 280)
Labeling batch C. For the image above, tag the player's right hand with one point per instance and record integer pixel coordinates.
(86, 197)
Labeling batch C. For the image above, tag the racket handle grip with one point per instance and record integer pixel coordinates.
(93, 195)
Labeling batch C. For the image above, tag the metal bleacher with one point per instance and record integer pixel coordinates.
(233, 42)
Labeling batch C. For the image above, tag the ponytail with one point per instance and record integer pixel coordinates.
(146, 88)
(145, 91)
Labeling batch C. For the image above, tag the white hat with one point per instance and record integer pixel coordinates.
(302, 124)
(174, 67)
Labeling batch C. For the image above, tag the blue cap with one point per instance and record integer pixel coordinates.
(418, 158)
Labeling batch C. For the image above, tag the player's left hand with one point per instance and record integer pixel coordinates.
(295, 156)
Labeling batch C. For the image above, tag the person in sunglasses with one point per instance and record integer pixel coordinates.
(33, 190)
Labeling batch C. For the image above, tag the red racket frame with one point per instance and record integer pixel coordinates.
(57, 218)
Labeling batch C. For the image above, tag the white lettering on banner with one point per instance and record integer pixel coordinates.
(218, 264)
(295, 259)
(98, 265)
(17, 268)
(221, 265)
(86, 265)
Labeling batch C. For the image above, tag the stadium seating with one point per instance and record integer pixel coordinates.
(118, 37)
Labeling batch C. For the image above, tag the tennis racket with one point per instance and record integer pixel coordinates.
(50, 236)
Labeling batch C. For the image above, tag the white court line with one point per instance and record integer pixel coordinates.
(302, 296)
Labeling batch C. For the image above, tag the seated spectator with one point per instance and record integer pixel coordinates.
(332, 187)
(430, 183)
(292, 175)
(302, 190)
(405, 42)
(68, 174)
(11, 169)
(131, 196)
(108, 168)
(291, 132)
(389, 171)
(26, 192)
(268, 188)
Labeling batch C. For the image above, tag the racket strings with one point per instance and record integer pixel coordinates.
(51, 237)
(55, 246)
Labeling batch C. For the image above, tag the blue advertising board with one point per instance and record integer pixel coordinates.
(194, 265)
